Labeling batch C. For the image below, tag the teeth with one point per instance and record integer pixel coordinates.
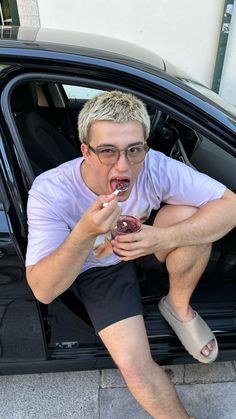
(122, 185)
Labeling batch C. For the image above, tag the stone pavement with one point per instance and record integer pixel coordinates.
(207, 391)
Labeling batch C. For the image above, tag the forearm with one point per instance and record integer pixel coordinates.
(208, 224)
(55, 273)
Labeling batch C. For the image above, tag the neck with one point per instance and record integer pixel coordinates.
(85, 174)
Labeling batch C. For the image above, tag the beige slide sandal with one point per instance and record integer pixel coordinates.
(193, 334)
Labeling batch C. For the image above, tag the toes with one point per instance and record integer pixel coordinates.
(210, 345)
(208, 348)
(205, 351)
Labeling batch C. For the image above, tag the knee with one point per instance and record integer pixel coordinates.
(200, 251)
(203, 253)
(133, 368)
(205, 248)
(173, 214)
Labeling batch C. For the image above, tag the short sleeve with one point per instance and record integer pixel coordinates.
(46, 229)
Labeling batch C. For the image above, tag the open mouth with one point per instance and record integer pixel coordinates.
(121, 184)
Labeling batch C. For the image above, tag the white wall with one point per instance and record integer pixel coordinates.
(185, 32)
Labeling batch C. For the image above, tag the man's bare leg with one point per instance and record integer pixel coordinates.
(128, 345)
(185, 265)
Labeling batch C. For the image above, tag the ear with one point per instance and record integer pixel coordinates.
(85, 151)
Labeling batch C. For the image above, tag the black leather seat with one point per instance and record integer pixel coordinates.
(45, 146)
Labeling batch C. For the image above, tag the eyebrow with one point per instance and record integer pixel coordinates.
(129, 145)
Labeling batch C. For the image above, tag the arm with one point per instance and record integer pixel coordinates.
(56, 272)
(211, 222)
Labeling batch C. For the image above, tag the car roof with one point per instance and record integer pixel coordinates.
(53, 44)
(79, 43)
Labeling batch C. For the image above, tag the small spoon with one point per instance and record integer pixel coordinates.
(116, 192)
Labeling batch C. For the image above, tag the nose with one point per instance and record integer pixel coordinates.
(122, 163)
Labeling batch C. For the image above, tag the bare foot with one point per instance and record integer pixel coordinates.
(186, 314)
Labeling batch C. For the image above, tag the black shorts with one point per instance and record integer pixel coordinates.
(110, 293)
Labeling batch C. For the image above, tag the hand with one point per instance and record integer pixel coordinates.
(98, 219)
(134, 245)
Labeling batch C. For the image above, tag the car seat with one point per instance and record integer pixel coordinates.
(45, 146)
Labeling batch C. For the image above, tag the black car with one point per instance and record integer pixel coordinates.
(45, 78)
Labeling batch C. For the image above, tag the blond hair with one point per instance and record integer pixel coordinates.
(113, 106)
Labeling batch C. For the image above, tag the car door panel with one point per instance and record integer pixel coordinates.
(217, 163)
(21, 334)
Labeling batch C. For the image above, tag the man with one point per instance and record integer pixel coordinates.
(69, 240)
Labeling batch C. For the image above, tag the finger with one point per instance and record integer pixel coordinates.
(127, 257)
(129, 246)
(98, 203)
(127, 250)
(112, 211)
(128, 238)
(104, 215)
(111, 208)
(106, 200)
(111, 215)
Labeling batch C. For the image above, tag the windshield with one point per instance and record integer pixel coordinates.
(214, 97)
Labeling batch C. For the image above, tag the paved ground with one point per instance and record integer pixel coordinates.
(208, 392)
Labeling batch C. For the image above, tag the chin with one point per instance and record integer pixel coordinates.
(124, 197)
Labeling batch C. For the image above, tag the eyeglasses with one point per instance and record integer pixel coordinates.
(110, 155)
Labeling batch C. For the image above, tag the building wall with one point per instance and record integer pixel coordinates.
(28, 12)
(185, 32)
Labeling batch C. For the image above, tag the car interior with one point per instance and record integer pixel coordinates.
(45, 114)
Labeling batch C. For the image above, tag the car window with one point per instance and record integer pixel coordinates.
(47, 122)
(214, 97)
(80, 92)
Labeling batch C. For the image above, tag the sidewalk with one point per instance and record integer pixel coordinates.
(207, 391)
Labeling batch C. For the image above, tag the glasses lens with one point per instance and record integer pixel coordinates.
(108, 155)
(136, 154)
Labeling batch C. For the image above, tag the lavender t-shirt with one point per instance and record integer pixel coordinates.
(59, 197)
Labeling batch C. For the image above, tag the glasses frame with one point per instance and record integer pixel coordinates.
(125, 150)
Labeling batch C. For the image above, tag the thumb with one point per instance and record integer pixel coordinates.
(103, 199)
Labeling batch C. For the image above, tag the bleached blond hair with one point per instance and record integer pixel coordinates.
(113, 106)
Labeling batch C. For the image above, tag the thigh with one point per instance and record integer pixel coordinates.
(127, 342)
(169, 215)
(173, 214)
(110, 294)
